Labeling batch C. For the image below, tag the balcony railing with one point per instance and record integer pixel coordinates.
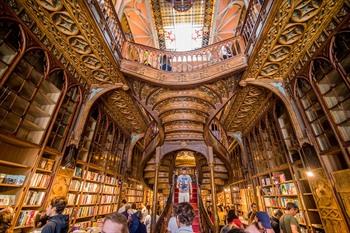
(184, 61)
(104, 13)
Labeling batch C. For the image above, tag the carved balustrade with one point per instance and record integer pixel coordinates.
(104, 13)
(256, 14)
(184, 61)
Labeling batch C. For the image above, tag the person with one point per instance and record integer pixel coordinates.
(184, 217)
(253, 209)
(221, 215)
(146, 210)
(172, 225)
(40, 218)
(148, 221)
(57, 222)
(288, 222)
(6, 217)
(122, 208)
(115, 223)
(165, 63)
(275, 220)
(136, 226)
(232, 222)
(184, 184)
(261, 223)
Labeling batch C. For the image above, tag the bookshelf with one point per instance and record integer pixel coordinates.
(134, 192)
(94, 188)
(28, 99)
(64, 118)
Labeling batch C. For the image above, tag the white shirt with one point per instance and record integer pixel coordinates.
(148, 220)
(172, 225)
(121, 209)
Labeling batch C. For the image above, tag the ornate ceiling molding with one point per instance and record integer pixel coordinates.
(68, 26)
(294, 27)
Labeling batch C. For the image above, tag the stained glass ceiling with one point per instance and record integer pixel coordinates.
(182, 31)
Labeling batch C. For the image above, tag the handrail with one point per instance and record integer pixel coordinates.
(104, 13)
(188, 61)
(167, 209)
(253, 21)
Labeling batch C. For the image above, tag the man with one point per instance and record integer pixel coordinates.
(57, 222)
(184, 217)
(275, 220)
(288, 222)
(253, 209)
(115, 223)
(122, 208)
(184, 184)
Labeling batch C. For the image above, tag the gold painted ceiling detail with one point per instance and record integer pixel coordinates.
(68, 26)
(183, 113)
(248, 104)
(295, 26)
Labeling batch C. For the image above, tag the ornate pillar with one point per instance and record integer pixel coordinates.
(155, 192)
(213, 190)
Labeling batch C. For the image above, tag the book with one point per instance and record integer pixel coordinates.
(12, 179)
(7, 200)
(34, 198)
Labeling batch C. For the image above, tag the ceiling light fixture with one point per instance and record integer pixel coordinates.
(181, 5)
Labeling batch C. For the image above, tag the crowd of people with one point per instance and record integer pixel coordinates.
(259, 221)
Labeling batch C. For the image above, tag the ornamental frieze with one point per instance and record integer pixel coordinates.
(292, 30)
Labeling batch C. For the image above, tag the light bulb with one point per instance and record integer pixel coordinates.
(310, 174)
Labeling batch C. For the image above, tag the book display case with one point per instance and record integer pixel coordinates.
(94, 190)
(31, 90)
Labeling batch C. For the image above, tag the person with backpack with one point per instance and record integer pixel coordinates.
(136, 226)
(57, 222)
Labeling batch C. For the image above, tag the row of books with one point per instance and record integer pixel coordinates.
(107, 199)
(105, 209)
(278, 177)
(26, 218)
(34, 198)
(87, 211)
(134, 199)
(6, 200)
(40, 180)
(71, 199)
(94, 176)
(89, 199)
(265, 181)
(78, 172)
(108, 189)
(46, 164)
(12, 179)
(91, 187)
(271, 201)
(110, 180)
(75, 185)
(288, 189)
(135, 192)
(285, 200)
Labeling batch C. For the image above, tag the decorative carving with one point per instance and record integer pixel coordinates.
(297, 25)
(330, 213)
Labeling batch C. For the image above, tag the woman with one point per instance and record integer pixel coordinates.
(233, 222)
(261, 223)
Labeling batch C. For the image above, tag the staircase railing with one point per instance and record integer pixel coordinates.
(161, 224)
(257, 12)
(206, 225)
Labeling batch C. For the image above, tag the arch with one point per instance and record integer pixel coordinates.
(95, 93)
(199, 147)
(277, 87)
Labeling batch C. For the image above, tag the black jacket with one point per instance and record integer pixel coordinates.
(56, 224)
(275, 223)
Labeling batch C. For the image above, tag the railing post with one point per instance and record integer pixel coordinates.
(213, 188)
(155, 192)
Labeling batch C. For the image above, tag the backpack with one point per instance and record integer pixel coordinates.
(141, 228)
(59, 227)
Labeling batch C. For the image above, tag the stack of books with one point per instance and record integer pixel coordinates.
(12, 179)
(40, 180)
(34, 198)
(7, 200)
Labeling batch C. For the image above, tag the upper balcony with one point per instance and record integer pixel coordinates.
(180, 68)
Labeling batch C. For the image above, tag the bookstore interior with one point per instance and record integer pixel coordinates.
(104, 102)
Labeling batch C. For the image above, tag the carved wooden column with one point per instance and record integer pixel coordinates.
(155, 192)
(213, 190)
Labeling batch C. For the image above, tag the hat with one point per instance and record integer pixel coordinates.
(264, 218)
